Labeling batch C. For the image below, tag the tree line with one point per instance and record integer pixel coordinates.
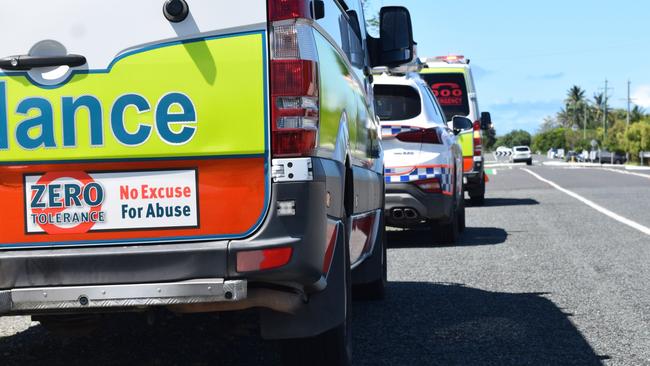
(583, 120)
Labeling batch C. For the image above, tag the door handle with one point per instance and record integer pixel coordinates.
(26, 62)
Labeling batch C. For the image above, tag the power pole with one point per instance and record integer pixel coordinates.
(584, 122)
(605, 113)
(627, 120)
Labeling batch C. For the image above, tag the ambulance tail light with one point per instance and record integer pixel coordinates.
(294, 83)
(425, 136)
(478, 144)
(264, 259)
(289, 9)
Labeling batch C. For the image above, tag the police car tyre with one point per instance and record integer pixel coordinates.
(461, 215)
(448, 233)
(332, 347)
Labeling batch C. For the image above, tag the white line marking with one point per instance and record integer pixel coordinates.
(628, 173)
(635, 167)
(603, 210)
(500, 165)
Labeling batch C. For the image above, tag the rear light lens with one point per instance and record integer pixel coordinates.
(289, 9)
(293, 142)
(259, 260)
(285, 42)
(478, 145)
(431, 185)
(294, 87)
(293, 78)
(428, 136)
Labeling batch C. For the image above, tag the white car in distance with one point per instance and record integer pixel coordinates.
(521, 154)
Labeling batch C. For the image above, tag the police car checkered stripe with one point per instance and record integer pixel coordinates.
(443, 174)
(391, 130)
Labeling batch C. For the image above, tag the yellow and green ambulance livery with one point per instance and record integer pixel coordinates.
(199, 155)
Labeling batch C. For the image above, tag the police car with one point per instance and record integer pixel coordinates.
(195, 156)
(451, 81)
(424, 165)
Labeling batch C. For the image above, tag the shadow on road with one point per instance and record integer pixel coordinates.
(497, 202)
(423, 324)
(472, 236)
(191, 340)
(447, 324)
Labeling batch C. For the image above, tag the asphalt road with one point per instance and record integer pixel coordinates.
(539, 278)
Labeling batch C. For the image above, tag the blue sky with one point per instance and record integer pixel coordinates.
(526, 55)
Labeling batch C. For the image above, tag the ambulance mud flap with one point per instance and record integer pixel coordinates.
(322, 311)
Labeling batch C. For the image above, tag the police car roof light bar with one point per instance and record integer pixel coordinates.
(414, 66)
(450, 59)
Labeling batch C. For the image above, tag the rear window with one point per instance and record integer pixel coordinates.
(451, 91)
(522, 149)
(397, 102)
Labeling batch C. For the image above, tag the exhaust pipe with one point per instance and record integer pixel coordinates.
(410, 213)
(398, 213)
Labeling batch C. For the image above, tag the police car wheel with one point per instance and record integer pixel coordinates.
(448, 232)
(461, 215)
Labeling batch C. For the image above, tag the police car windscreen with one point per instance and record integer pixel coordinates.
(396, 102)
(451, 91)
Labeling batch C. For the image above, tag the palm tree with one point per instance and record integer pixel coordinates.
(636, 114)
(563, 118)
(576, 95)
(599, 102)
(574, 104)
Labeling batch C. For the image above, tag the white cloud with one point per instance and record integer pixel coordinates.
(641, 96)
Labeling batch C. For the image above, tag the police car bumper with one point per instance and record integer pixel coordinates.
(407, 205)
(42, 280)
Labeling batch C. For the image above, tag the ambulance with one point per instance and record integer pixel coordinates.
(451, 81)
(193, 156)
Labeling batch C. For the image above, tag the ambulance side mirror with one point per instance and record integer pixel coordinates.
(486, 120)
(395, 45)
(460, 124)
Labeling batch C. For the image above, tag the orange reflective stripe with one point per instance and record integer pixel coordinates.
(468, 163)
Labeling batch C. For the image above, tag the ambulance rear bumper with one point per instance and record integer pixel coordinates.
(41, 299)
(58, 270)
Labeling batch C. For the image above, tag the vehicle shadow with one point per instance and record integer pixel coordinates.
(449, 324)
(422, 324)
(497, 202)
(192, 340)
(421, 238)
